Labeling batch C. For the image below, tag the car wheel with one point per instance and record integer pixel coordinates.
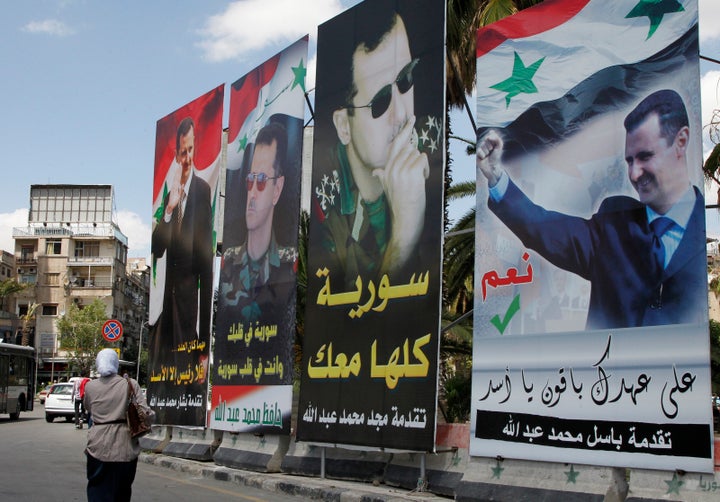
(49, 418)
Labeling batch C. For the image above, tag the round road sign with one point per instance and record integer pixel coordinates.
(112, 330)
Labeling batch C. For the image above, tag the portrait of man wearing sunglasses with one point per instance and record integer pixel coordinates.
(257, 276)
(375, 204)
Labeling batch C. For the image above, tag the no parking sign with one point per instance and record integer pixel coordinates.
(112, 330)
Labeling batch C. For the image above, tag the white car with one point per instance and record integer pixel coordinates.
(59, 402)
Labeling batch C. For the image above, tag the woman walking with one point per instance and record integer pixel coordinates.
(111, 453)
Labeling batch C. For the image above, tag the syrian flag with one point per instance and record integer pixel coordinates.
(206, 111)
(545, 71)
(253, 392)
(276, 86)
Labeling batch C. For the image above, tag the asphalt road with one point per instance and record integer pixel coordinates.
(42, 461)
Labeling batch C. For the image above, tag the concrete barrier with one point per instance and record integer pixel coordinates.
(194, 444)
(450, 471)
(259, 453)
(157, 439)
(340, 463)
(443, 470)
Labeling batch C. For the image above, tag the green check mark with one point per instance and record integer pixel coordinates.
(512, 309)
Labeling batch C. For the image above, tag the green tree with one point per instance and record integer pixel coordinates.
(712, 164)
(464, 17)
(301, 292)
(26, 318)
(7, 288)
(81, 334)
(715, 355)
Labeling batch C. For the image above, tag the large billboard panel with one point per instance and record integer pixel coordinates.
(591, 322)
(255, 323)
(369, 366)
(187, 156)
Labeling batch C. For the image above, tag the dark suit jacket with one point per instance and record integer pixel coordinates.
(188, 266)
(613, 251)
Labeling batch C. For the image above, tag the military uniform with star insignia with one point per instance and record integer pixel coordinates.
(355, 233)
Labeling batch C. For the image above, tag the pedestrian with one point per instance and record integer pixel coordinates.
(111, 453)
(78, 394)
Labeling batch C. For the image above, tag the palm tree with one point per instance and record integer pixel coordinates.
(26, 318)
(464, 17)
(7, 288)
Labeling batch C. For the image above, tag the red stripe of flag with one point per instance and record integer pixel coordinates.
(206, 111)
(244, 94)
(528, 22)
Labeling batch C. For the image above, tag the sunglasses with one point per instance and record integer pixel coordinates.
(380, 103)
(260, 178)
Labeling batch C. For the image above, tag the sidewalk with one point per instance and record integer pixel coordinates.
(299, 486)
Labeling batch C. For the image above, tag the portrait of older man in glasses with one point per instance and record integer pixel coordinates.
(256, 277)
(372, 199)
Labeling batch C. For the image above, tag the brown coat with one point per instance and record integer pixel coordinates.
(106, 401)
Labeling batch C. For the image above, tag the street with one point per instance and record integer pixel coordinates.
(45, 461)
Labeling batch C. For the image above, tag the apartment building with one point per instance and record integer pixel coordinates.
(73, 252)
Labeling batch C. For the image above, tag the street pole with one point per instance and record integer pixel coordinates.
(137, 375)
(52, 362)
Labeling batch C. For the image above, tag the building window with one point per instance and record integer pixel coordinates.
(26, 254)
(22, 310)
(52, 247)
(49, 310)
(27, 278)
(52, 279)
(87, 249)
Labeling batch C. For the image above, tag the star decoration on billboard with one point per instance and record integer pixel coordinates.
(520, 81)
(654, 10)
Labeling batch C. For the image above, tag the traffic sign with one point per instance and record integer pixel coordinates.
(112, 330)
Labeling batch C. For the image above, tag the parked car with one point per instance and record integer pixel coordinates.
(59, 402)
(43, 393)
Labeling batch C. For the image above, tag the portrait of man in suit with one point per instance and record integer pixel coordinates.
(644, 258)
(183, 234)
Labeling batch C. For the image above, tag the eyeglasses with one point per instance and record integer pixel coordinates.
(381, 101)
(261, 179)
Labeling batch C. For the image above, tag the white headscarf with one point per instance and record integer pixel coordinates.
(107, 362)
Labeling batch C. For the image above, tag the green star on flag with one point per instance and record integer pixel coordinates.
(654, 10)
(520, 81)
(242, 143)
(299, 71)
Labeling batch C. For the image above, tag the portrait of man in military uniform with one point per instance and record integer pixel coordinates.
(256, 291)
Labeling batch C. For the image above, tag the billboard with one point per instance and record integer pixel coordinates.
(369, 365)
(255, 323)
(187, 155)
(591, 323)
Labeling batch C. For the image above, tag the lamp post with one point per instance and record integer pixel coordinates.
(137, 374)
(52, 361)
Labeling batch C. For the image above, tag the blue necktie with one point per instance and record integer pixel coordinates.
(659, 226)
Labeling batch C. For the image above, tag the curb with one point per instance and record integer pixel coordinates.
(307, 488)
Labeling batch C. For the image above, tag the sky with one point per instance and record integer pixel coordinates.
(86, 81)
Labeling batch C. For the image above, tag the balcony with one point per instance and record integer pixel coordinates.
(90, 260)
(26, 260)
(82, 283)
(71, 230)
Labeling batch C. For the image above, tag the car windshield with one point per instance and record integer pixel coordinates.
(62, 389)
